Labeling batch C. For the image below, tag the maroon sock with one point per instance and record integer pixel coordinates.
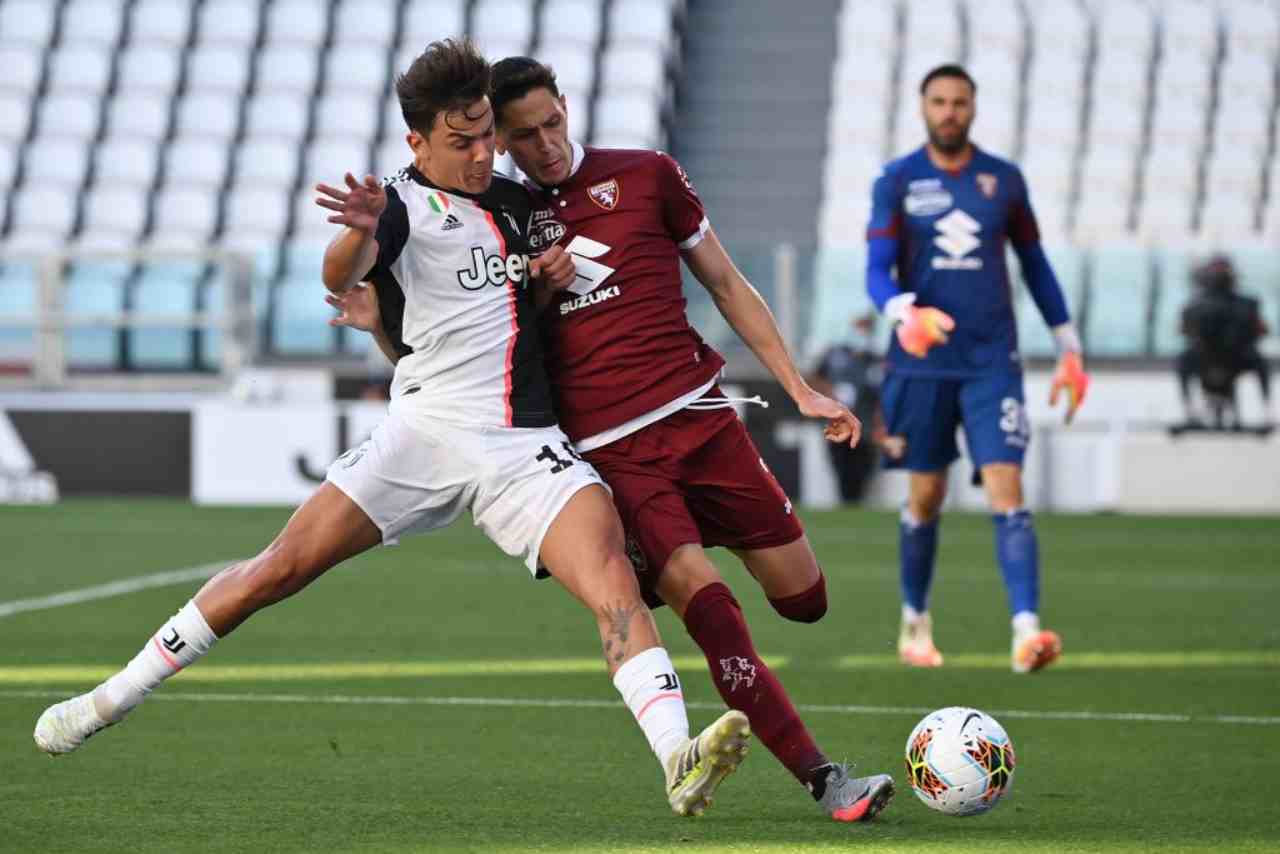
(806, 607)
(715, 622)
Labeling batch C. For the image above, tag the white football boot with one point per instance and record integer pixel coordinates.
(65, 726)
(697, 769)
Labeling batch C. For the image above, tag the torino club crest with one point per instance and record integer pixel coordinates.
(605, 194)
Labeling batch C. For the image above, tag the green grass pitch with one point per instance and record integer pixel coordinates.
(409, 701)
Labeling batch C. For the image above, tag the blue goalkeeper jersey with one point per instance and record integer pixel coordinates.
(945, 232)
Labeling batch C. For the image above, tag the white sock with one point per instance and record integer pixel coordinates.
(1025, 623)
(184, 638)
(650, 688)
(911, 615)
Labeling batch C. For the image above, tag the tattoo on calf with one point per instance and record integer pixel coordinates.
(619, 631)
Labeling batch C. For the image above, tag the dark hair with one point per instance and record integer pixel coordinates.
(448, 75)
(949, 70)
(517, 76)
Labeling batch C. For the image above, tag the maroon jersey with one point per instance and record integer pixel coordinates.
(618, 343)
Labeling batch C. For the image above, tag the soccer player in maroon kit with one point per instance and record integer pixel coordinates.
(635, 389)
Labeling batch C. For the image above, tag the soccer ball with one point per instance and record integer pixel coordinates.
(959, 761)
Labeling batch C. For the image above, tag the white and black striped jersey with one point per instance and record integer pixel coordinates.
(453, 288)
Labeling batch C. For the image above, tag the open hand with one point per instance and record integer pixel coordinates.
(357, 308)
(359, 206)
(842, 425)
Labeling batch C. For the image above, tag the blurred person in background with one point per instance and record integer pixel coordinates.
(1222, 328)
(851, 372)
(941, 217)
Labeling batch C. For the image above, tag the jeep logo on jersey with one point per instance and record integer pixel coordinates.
(926, 198)
(605, 194)
(493, 270)
(957, 236)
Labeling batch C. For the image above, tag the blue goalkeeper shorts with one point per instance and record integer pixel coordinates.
(925, 411)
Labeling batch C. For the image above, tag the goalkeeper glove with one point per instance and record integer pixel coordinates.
(1070, 376)
(918, 328)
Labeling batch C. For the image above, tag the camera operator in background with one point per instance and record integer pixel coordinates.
(1222, 328)
(851, 372)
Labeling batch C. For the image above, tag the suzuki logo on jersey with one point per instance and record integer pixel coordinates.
(590, 275)
(493, 270)
(957, 236)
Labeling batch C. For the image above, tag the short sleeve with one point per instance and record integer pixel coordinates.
(392, 233)
(682, 210)
(1023, 228)
(886, 209)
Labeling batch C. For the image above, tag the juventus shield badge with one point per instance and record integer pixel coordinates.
(605, 194)
(987, 184)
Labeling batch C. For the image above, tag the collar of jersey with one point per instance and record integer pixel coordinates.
(417, 177)
(579, 154)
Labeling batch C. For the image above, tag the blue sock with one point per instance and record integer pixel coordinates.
(1019, 556)
(917, 547)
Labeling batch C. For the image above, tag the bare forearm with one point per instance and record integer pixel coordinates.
(749, 316)
(348, 258)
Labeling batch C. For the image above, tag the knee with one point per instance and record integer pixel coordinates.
(809, 606)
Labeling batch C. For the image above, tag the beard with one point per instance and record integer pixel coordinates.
(952, 144)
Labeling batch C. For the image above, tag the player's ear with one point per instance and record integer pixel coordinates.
(418, 143)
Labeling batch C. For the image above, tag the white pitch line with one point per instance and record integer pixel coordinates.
(560, 703)
(113, 588)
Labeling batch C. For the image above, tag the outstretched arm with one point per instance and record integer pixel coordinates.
(750, 317)
(352, 254)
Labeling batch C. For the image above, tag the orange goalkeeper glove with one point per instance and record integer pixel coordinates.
(1070, 376)
(922, 328)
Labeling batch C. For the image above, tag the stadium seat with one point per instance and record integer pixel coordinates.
(267, 161)
(17, 300)
(1050, 123)
(230, 22)
(68, 115)
(1102, 216)
(95, 22)
(23, 67)
(641, 70)
(217, 68)
(127, 162)
(1048, 172)
(1060, 33)
(161, 22)
(310, 221)
(860, 79)
(392, 156)
(27, 22)
(393, 125)
(1247, 79)
(149, 69)
(347, 116)
(358, 69)
(995, 129)
(300, 23)
(213, 115)
(1226, 219)
(184, 217)
(1125, 27)
(262, 211)
(1121, 287)
(628, 117)
(1243, 133)
(300, 319)
(1253, 28)
(120, 211)
(80, 68)
(277, 115)
(288, 67)
(8, 164)
(857, 129)
(839, 295)
(327, 159)
(95, 289)
(641, 22)
(15, 117)
(56, 162)
(364, 22)
(1190, 29)
(196, 162)
(1120, 81)
(574, 64)
(1116, 125)
(931, 35)
(1178, 123)
(428, 20)
(863, 25)
(1107, 171)
(995, 28)
(570, 23)
(1166, 217)
(165, 288)
(51, 209)
(502, 21)
(1239, 178)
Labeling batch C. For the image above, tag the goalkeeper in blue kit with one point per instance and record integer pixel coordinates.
(941, 217)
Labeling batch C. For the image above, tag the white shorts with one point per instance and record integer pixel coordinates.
(417, 473)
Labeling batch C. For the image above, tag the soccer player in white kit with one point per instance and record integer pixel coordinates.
(470, 427)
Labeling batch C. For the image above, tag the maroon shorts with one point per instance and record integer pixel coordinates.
(693, 477)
